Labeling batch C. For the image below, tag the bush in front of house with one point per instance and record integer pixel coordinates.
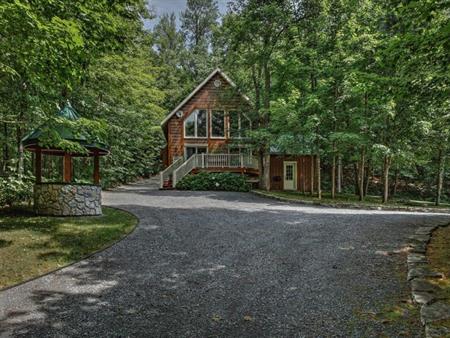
(214, 181)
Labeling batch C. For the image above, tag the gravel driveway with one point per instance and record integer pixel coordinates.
(206, 264)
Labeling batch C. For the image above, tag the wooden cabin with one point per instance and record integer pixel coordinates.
(206, 132)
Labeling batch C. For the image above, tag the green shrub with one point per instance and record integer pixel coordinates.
(15, 189)
(214, 181)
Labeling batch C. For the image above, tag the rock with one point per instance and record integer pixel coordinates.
(66, 199)
(420, 238)
(422, 298)
(436, 331)
(416, 258)
(422, 285)
(422, 272)
(434, 312)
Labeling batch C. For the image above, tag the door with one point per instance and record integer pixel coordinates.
(290, 176)
(191, 150)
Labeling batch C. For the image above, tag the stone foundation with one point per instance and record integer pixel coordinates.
(58, 199)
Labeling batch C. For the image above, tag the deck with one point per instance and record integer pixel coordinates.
(238, 163)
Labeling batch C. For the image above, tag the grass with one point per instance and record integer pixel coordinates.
(353, 200)
(438, 253)
(34, 245)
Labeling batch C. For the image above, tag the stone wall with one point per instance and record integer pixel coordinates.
(67, 199)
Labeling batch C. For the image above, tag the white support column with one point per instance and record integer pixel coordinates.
(203, 160)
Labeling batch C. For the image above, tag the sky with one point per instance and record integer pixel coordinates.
(167, 6)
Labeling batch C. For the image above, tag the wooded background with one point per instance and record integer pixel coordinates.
(361, 84)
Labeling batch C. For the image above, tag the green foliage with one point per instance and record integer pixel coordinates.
(214, 181)
(15, 189)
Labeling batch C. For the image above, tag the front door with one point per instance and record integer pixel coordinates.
(191, 150)
(290, 176)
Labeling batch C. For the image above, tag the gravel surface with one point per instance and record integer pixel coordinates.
(206, 264)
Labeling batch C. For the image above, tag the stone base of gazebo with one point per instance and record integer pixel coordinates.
(63, 199)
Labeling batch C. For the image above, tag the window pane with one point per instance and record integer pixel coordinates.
(190, 151)
(234, 124)
(218, 123)
(201, 123)
(245, 125)
(189, 125)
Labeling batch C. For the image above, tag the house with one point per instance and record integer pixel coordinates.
(206, 132)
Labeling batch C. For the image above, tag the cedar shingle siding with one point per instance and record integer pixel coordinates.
(209, 97)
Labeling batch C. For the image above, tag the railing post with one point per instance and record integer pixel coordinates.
(242, 160)
(203, 160)
(174, 179)
(161, 180)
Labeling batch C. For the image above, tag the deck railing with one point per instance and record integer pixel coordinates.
(216, 161)
(167, 173)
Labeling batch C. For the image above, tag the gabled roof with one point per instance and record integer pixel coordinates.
(200, 86)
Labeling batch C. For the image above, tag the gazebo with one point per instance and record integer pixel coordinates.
(65, 198)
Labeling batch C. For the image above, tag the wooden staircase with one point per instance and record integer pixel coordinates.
(238, 163)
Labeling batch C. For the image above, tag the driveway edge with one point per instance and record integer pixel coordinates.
(349, 205)
(432, 309)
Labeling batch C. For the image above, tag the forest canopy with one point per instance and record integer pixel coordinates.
(365, 91)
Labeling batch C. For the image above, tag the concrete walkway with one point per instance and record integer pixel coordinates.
(206, 264)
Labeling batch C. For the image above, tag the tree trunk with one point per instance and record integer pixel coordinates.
(440, 176)
(361, 173)
(333, 177)
(319, 183)
(395, 187)
(19, 150)
(262, 181)
(368, 174)
(386, 167)
(312, 175)
(356, 173)
(5, 149)
(339, 175)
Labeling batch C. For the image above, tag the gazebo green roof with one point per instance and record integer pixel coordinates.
(31, 141)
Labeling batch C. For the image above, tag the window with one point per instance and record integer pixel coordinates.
(217, 123)
(195, 124)
(191, 150)
(239, 124)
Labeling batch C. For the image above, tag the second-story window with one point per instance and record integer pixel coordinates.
(217, 123)
(195, 124)
(239, 124)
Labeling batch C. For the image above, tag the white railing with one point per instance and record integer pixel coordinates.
(190, 164)
(166, 173)
(207, 161)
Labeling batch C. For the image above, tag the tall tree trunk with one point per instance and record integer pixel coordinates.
(312, 175)
(356, 174)
(440, 176)
(319, 181)
(386, 167)
(368, 174)
(395, 187)
(339, 174)
(361, 173)
(19, 150)
(333, 177)
(5, 149)
(266, 103)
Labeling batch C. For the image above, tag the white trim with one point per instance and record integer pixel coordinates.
(200, 86)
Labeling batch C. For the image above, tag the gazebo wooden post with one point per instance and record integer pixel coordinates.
(38, 166)
(67, 168)
(96, 168)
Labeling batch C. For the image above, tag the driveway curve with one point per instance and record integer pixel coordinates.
(206, 264)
